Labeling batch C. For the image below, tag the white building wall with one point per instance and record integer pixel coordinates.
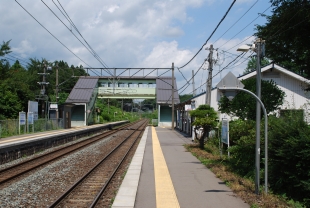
(296, 97)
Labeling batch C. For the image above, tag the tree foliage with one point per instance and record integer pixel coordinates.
(204, 117)
(185, 97)
(18, 84)
(244, 104)
(251, 66)
(289, 156)
(287, 35)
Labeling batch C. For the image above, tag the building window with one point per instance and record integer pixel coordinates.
(103, 84)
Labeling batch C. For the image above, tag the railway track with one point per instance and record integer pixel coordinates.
(89, 189)
(19, 169)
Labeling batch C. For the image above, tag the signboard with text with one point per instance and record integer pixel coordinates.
(33, 107)
(225, 131)
(22, 118)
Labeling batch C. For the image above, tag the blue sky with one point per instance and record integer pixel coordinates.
(135, 33)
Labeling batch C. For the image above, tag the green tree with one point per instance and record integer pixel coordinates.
(4, 64)
(5, 48)
(287, 35)
(204, 117)
(252, 65)
(244, 104)
(185, 97)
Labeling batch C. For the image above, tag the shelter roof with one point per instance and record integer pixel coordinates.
(163, 91)
(83, 89)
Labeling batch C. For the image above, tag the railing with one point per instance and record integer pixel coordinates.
(10, 127)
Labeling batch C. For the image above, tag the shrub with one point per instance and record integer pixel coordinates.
(289, 158)
(106, 117)
(242, 142)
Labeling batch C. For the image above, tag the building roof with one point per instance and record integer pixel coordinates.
(252, 74)
(276, 67)
(83, 89)
(163, 91)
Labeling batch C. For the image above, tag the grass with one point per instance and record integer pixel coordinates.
(242, 187)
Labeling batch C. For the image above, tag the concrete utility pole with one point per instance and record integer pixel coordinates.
(42, 95)
(57, 91)
(194, 91)
(172, 97)
(209, 81)
(258, 113)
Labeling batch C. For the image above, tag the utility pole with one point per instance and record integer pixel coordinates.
(258, 113)
(42, 95)
(172, 97)
(57, 91)
(193, 83)
(209, 81)
(114, 81)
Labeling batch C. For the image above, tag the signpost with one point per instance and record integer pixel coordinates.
(30, 121)
(225, 133)
(22, 120)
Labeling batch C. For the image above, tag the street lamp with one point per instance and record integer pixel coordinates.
(259, 48)
(228, 86)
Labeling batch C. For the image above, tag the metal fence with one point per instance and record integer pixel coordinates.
(11, 127)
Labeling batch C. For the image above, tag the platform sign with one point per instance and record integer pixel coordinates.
(30, 117)
(22, 120)
(33, 107)
(225, 131)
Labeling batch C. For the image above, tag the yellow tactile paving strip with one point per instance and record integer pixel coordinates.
(165, 193)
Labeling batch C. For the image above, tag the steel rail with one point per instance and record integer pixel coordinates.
(70, 189)
(41, 161)
(113, 174)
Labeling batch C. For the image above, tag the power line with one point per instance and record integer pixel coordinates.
(229, 64)
(51, 34)
(93, 52)
(210, 35)
(245, 27)
(15, 61)
(237, 21)
(215, 74)
(66, 27)
(187, 83)
(17, 58)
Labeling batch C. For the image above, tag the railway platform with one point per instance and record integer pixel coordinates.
(163, 174)
(14, 147)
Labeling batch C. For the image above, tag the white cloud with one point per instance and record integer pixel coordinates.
(136, 33)
(24, 48)
(112, 8)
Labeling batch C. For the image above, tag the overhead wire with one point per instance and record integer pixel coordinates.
(67, 28)
(17, 58)
(51, 34)
(11, 59)
(89, 48)
(259, 15)
(237, 21)
(71, 22)
(214, 75)
(186, 83)
(210, 35)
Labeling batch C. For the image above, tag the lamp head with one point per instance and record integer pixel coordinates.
(246, 48)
